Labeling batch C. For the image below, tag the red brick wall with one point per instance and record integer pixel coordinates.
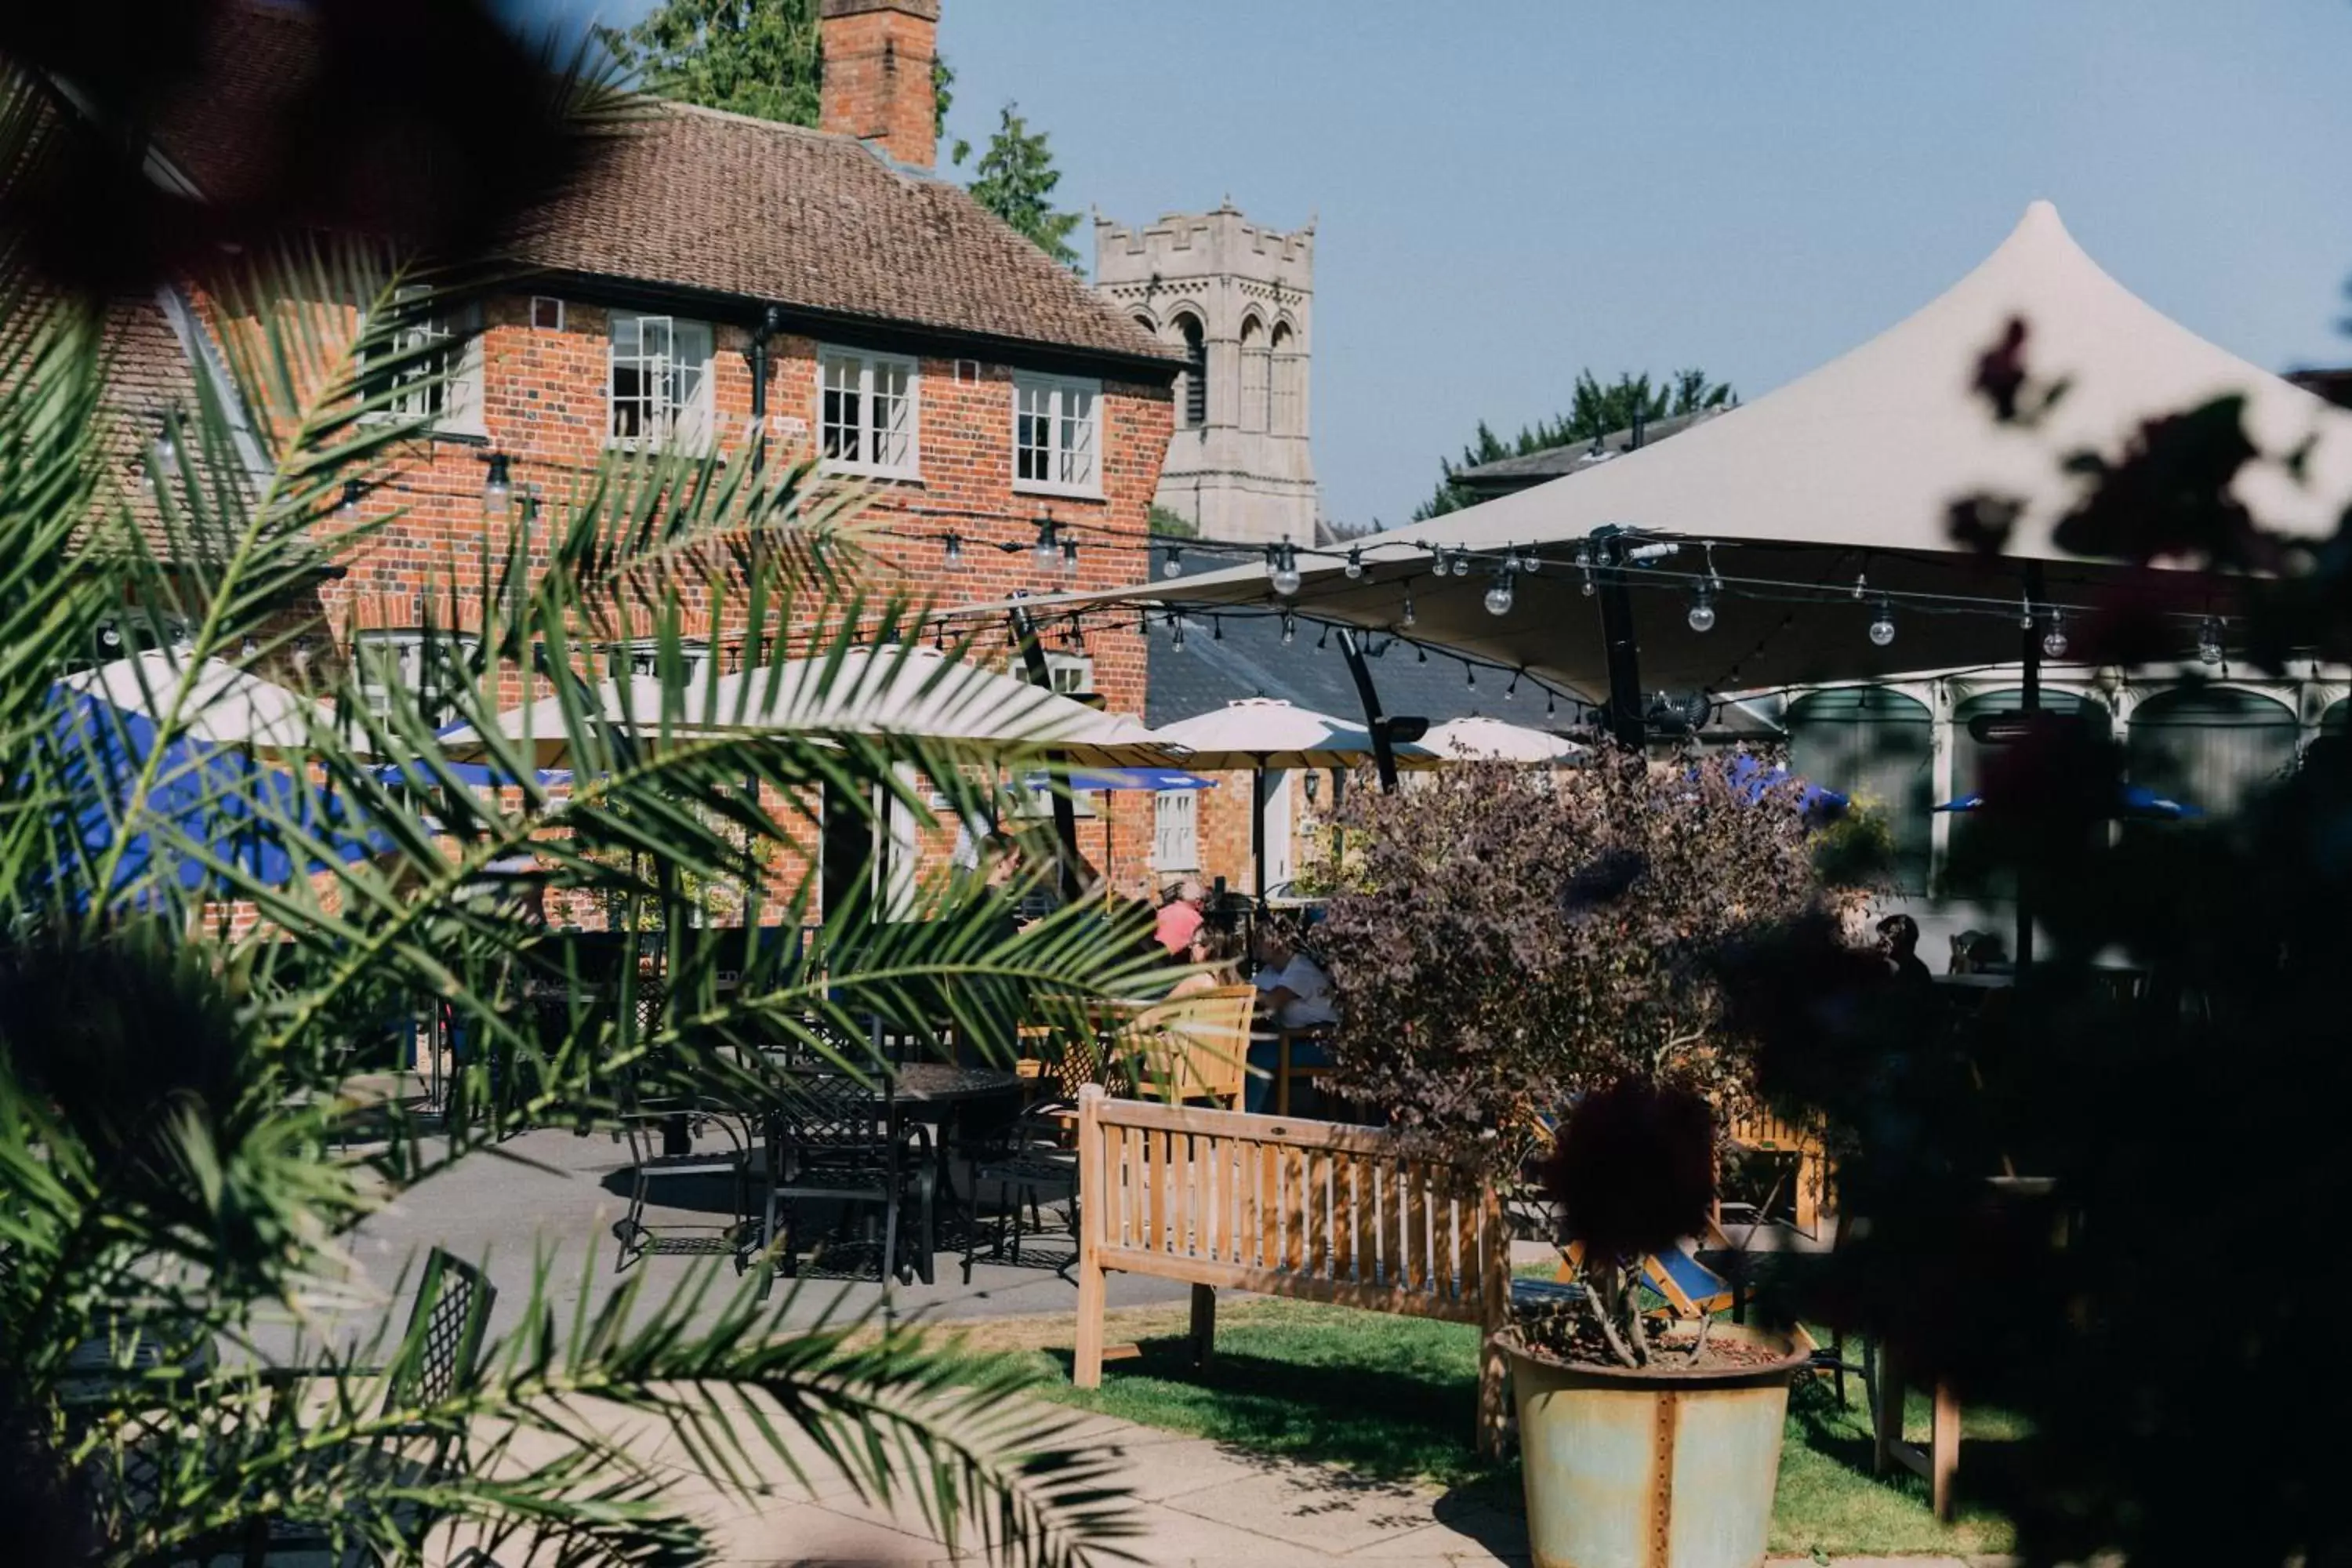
(544, 407)
(877, 75)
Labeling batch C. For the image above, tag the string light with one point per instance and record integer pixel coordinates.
(2208, 641)
(1325, 640)
(1216, 628)
(1419, 654)
(1407, 619)
(1584, 564)
(1069, 556)
(2053, 641)
(1176, 633)
(1289, 628)
(498, 486)
(1860, 583)
(1355, 567)
(1702, 611)
(1512, 690)
(1499, 596)
(1174, 562)
(1551, 705)
(1284, 575)
(1714, 577)
(2025, 614)
(951, 552)
(165, 447)
(1882, 626)
(1470, 675)
(1461, 562)
(349, 510)
(1046, 551)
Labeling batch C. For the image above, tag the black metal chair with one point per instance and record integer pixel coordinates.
(833, 1139)
(1033, 1158)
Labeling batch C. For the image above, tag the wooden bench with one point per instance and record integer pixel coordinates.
(1304, 1209)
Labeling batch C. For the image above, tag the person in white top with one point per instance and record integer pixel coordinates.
(1293, 989)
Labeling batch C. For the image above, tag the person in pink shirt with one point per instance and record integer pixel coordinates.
(1179, 920)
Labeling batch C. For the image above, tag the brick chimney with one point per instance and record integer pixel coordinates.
(877, 75)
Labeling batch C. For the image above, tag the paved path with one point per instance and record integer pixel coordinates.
(1197, 1502)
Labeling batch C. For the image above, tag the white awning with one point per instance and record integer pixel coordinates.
(1267, 732)
(224, 706)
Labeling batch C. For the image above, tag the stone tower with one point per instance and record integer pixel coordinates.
(1241, 300)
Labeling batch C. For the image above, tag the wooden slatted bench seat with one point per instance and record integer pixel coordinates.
(1303, 1209)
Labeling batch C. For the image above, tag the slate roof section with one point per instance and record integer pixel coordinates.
(697, 200)
(1251, 661)
(1508, 474)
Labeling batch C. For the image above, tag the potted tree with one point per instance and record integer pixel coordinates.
(1526, 962)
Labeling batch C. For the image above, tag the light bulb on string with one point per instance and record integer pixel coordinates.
(1419, 654)
(1512, 690)
(1461, 562)
(1289, 628)
(1702, 611)
(2025, 614)
(1176, 633)
(1584, 564)
(1046, 551)
(1551, 704)
(1882, 626)
(951, 552)
(1355, 567)
(497, 485)
(1284, 575)
(1406, 619)
(2053, 641)
(2208, 641)
(1714, 578)
(1216, 628)
(1069, 557)
(1470, 676)
(1172, 563)
(1860, 583)
(349, 510)
(1500, 598)
(1325, 640)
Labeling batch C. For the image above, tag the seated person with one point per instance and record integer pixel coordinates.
(1178, 922)
(1221, 951)
(1294, 994)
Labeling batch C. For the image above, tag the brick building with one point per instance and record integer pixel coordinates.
(719, 274)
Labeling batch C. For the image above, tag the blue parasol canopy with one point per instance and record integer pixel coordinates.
(2137, 801)
(1115, 778)
(1815, 803)
(211, 800)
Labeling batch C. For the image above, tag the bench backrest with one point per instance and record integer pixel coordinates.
(1196, 1047)
(1285, 1207)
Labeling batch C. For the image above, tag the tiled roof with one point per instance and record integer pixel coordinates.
(695, 199)
(1505, 475)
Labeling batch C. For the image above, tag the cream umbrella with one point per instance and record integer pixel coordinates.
(1255, 733)
(1480, 738)
(224, 706)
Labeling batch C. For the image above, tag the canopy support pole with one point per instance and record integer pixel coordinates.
(2029, 701)
(1258, 831)
(1383, 746)
(1057, 764)
(1626, 722)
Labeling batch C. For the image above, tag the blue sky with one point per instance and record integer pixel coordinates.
(1508, 189)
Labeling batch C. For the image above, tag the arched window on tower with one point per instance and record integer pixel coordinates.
(1193, 396)
(1283, 407)
(1254, 377)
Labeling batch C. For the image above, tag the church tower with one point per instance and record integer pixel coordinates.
(1240, 300)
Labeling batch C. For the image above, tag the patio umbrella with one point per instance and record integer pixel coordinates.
(212, 798)
(1480, 738)
(1114, 781)
(225, 705)
(1257, 733)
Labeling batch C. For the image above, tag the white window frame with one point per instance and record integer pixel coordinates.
(1067, 674)
(1176, 830)
(461, 388)
(406, 645)
(865, 368)
(678, 410)
(1058, 390)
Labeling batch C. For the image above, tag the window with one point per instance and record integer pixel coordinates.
(1054, 435)
(546, 313)
(659, 389)
(866, 413)
(1066, 673)
(1281, 408)
(1253, 379)
(429, 664)
(1192, 397)
(1176, 830)
(643, 657)
(431, 370)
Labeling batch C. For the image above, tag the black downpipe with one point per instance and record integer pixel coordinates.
(1057, 764)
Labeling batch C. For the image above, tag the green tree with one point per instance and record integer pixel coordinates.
(1016, 183)
(1595, 409)
(760, 57)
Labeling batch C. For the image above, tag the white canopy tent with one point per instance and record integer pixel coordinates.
(1810, 511)
(224, 706)
(1480, 738)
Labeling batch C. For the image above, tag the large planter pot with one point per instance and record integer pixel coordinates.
(1656, 1468)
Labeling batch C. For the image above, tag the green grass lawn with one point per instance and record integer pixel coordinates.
(1394, 1397)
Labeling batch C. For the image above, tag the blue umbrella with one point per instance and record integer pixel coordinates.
(214, 799)
(1123, 779)
(1815, 803)
(2132, 801)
